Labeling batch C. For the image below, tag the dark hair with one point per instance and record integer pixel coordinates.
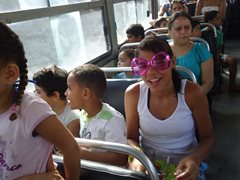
(92, 77)
(155, 45)
(12, 51)
(210, 15)
(175, 16)
(158, 22)
(177, 1)
(135, 30)
(52, 79)
(131, 53)
(195, 22)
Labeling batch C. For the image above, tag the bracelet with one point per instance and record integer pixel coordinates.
(130, 157)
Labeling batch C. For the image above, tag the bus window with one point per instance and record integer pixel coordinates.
(130, 12)
(67, 40)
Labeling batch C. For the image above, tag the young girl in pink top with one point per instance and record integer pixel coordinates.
(28, 126)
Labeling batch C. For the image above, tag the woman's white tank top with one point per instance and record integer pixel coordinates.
(174, 135)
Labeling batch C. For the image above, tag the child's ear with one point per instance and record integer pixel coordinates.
(55, 94)
(11, 73)
(86, 93)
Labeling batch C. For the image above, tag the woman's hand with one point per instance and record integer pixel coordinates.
(136, 165)
(187, 169)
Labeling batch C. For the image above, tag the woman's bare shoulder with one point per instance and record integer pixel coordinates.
(193, 93)
(133, 90)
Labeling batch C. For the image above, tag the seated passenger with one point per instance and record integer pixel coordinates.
(124, 60)
(135, 33)
(168, 9)
(178, 5)
(51, 84)
(98, 120)
(163, 112)
(161, 23)
(204, 6)
(213, 17)
(193, 56)
(196, 28)
(28, 126)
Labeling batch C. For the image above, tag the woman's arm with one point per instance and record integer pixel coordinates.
(53, 130)
(207, 75)
(132, 121)
(200, 110)
(74, 127)
(163, 9)
(197, 102)
(198, 8)
(222, 9)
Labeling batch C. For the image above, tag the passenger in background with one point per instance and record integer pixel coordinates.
(204, 6)
(163, 111)
(50, 85)
(193, 56)
(161, 23)
(172, 6)
(98, 120)
(28, 126)
(178, 5)
(124, 60)
(213, 17)
(135, 33)
(196, 28)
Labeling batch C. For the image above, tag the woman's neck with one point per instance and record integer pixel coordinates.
(181, 49)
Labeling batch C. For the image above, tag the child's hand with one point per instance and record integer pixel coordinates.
(187, 169)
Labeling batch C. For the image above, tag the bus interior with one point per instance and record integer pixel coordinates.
(68, 33)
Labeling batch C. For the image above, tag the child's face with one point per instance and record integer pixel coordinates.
(164, 23)
(217, 21)
(196, 32)
(177, 6)
(42, 94)
(131, 38)
(74, 92)
(123, 60)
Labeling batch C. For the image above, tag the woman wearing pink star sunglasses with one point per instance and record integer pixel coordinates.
(163, 112)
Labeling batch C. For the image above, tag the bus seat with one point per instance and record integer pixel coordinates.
(114, 94)
(209, 36)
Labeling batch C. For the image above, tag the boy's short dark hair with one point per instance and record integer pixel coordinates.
(52, 79)
(92, 77)
(158, 22)
(210, 15)
(195, 22)
(135, 30)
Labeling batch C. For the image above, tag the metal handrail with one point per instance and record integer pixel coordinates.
(188, 71)
(211, 26)
(129, 45)
(106, 168)
(165, 29)
(126, 69)
(203, 41)
(121, 148)
(116, 69)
